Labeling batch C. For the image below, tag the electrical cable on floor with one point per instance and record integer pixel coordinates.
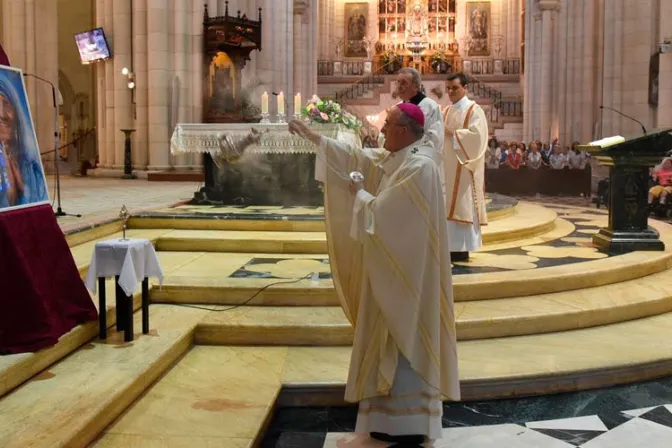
(233, 307)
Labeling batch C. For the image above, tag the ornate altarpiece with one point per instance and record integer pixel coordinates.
(421, 32)
(228, 42)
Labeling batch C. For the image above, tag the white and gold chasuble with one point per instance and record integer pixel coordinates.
(390, 263)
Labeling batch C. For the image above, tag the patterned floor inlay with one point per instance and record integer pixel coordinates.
(622, 417)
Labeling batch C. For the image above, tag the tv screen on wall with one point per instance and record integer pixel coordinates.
(92, 46)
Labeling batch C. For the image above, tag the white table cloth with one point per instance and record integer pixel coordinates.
(132, 260)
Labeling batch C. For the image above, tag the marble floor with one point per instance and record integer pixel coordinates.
(100, 199)
(631, 416)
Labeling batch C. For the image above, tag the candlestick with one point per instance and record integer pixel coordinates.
(264, 103)
(281, 103)
(297, 104)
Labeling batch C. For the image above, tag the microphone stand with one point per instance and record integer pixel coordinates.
(59, 211)
(626, 116)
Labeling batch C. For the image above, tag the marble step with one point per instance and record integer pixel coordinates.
(545, 313)
(72, 401)
(211, 278)
(528, 221)
(214, 397)
(19, 368)
(219, 396)
(16, 369)
(589, 358)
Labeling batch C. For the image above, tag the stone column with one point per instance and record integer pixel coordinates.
(197, 75)
(589, 61)
(299, 55)
(560, 97)
(123, 115)
(180, 80)
(158, 85)
(314, 32)
(110, 128)
(608, 74)
(537, 80)
(528, 74)
(101, 104)
(617, 70)
(140, 55)
(548, 7)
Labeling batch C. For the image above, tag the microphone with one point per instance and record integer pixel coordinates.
(626, 116)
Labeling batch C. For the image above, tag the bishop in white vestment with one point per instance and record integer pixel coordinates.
(409, 85)
(465, 145)
(389, 255)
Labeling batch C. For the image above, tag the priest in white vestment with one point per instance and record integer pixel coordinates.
(465, 145)
(390, 261)
(409, 86)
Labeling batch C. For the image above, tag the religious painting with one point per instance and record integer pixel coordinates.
(22, 180)
(431, 25)
(443, 24)
(433, 5)
(356, 15)
(401, 6)
(478, 28)
(381, 25)
(443, 6)
(391, 6)
(381, 6)
(391, 25)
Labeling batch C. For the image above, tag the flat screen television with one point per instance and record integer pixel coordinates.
(92, 46)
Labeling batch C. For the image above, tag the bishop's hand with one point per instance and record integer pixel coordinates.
(298, 127)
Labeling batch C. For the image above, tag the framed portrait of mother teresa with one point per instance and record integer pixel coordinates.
(22, 180)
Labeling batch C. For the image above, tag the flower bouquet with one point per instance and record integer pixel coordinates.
(319, 111)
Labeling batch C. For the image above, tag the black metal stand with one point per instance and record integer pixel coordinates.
(628, 213)
(124, 309)
(128, 162)
(59, 211)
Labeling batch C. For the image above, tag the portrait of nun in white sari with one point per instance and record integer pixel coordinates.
(22, 181)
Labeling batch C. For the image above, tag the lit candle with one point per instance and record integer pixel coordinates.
(264, 103)
(281, 103)
(297, 104)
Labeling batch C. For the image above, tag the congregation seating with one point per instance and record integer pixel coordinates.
(543, 181)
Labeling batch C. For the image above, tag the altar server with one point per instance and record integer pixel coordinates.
(466, 142)
(409, 86)
(390, 262)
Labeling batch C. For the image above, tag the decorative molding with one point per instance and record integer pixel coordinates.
(549, 5)
(301, 6)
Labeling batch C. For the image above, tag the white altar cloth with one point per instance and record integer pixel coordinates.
(275, 138)
(132, 260)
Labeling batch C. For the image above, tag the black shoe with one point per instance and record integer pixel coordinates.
(402, 441)
(459, 256)
(405, 445)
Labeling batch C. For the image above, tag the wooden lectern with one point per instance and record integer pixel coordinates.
(629, 161)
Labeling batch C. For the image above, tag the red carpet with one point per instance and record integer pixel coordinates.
(42, 296)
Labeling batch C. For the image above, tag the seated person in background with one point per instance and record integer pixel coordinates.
(545, 151)
(493, 156)
(557, 160)
(515, 157)
(503, 152)
(662, 175)
(533, 158)
(576, 159)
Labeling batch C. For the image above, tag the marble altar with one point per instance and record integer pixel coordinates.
(276, 169)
